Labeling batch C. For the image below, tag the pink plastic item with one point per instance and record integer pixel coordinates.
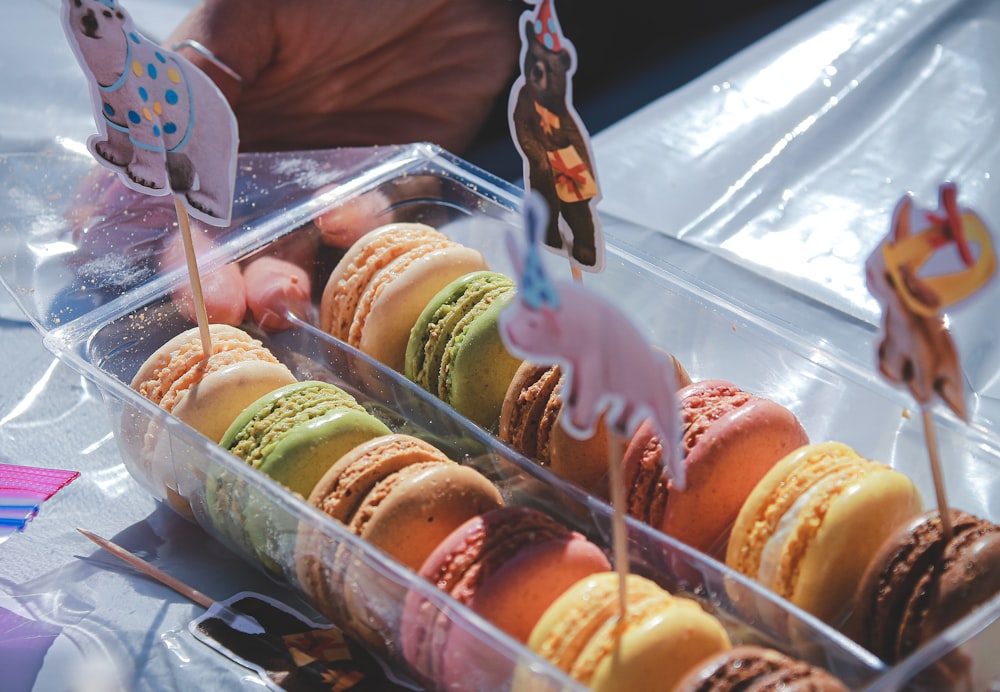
(608, 364)
(23, 489)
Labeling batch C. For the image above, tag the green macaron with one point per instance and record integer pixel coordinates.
(293, 435)
(455, 350)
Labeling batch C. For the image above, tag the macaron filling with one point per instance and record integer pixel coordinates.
(821, 463)
(790, 537)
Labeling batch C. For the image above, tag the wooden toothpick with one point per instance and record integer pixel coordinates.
(619, 536)
(930, 436)
(150, 569)
(194, 277)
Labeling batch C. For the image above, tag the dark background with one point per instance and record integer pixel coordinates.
(631, 53)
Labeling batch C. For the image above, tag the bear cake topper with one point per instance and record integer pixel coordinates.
(163, 126)
(928, 262)
(553, 143)
(609, 367)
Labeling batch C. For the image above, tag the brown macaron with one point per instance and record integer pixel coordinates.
(919, 582)
(529, 422)
(751, 668)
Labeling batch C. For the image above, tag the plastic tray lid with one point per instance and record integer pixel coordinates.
(74, 241)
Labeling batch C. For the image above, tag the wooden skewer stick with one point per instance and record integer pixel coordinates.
(150, 569)
(930, 436)
(194, 277)
(619, 536)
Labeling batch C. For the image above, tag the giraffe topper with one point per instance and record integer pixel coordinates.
(553, 143)
(164, 125)
(609, 367)
(928, 262)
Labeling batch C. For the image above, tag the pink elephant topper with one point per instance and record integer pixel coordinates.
(927, 262)
(608, 365)
(164, 125)
(552, 140)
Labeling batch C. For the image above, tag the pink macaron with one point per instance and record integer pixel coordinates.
(507, 566)
(731, 439)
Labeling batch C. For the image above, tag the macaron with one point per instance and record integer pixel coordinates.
(402, 495)
(293, 435)
(731, 438)
(205, 393)
(813, 523)
(661, 637)
(752, 668)
(530, 422)
(507, 566)
(455, 351)
(920, 582)
(208, 394)
(383, 281)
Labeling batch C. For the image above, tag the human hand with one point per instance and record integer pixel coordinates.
(319, 73)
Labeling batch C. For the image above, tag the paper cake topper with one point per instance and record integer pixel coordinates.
(164, 125)
(608, 365)
(929, 261)
(552, 140)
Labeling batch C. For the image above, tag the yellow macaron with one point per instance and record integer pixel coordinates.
(662, 638)
(812, 523)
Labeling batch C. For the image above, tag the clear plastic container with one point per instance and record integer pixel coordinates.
(101, 297)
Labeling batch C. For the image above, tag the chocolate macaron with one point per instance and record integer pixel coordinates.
(921, 581)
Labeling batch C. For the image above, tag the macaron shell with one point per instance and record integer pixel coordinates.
(303, 455)
(206, 395)
(166, 375)
(656, 652)
(400, 300)
(362, 261)
(508, 565)
(478, 368)
(751, 667)
(524, 423)
(823, 505)
(441, 320)
(917, 584)
(516, 593)
(347, 483)
(403, 496)
(857, 522)
(723, 467)
(214, 403)
(582, 462)
(408, 514)
(664, 635)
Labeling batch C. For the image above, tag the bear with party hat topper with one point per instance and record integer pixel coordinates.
(553, 143)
